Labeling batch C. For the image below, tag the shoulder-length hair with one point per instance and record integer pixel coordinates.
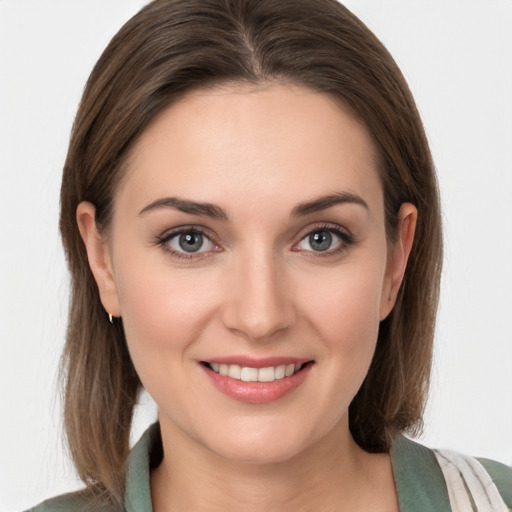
(168, 49)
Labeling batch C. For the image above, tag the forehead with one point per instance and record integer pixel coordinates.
(265, 141)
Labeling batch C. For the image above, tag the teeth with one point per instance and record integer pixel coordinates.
(289, 370)
(280, 372)
(266, 375)
(234, 371)
(247, 374)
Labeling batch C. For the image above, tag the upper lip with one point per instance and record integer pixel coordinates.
(260, 362)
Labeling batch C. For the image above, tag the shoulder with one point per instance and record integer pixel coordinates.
(418, 478)
(443, 472)
(484, 480)
(146, 453)
(73, 502)
(501, 476)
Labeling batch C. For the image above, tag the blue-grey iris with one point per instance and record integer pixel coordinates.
(320, 241)
(191, 242)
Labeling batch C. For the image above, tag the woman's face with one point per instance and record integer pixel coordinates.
(248, 238)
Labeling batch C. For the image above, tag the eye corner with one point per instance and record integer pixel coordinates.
(295, 247)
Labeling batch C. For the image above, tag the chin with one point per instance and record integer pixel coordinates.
(263, 444)
(259, 454)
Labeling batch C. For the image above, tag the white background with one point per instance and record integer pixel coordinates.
(457, 56)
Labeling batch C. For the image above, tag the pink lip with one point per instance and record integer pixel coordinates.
(257, 392)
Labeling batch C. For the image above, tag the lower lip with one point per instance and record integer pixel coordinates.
(257, 392)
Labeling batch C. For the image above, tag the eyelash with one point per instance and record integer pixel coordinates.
(346, 239)
(164, 239)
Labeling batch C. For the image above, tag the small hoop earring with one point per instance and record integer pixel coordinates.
(110, 318)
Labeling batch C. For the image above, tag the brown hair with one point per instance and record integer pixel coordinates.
(169, 48)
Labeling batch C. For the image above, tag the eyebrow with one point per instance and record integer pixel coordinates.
(324, 202)
(211, 210)
(186, 206)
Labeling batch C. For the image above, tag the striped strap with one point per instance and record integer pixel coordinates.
(470, 487)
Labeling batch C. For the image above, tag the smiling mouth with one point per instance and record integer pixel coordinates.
(249, 374)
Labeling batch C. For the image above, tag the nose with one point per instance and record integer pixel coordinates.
(259, 301)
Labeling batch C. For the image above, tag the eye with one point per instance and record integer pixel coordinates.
(324, 240)
(187, 242)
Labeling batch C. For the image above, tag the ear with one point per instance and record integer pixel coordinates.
(397, 258)
(99, 257)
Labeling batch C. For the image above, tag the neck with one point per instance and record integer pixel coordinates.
(332, 473)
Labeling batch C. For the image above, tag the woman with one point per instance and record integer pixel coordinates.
(251, 221)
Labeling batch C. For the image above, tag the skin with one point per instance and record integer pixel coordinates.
(259, 288)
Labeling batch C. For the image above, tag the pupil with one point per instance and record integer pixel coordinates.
(320, 241)
(191, 242)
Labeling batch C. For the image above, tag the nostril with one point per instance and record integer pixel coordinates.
(257, 325)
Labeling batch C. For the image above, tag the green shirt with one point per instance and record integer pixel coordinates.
(419, 481)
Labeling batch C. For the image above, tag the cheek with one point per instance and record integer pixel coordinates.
(163, 311)
(345, 316)
(347, 305)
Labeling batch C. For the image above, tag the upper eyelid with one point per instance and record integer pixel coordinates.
(172, 232)
(298, 236)
(346, 241)
(163, 240)
(326, 226)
